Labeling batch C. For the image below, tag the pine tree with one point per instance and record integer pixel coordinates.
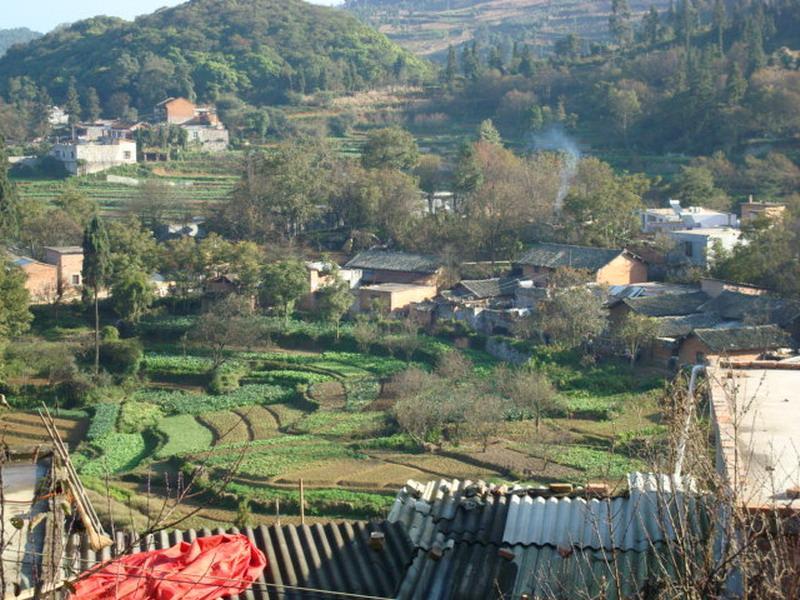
(619, 23)
(96, 267)
(469, 61)
(526, 62)
(450, 69)
(736, 86)
(73, 104)
(487, 132)
(91, 105)
(10, 209)
(719, 24)
(686, 21)
(496, 59)
(650, 26)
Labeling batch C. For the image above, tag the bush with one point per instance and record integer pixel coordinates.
(121, 357)
(104, 420)
(109, 333)
(226, 378)
(135, 416)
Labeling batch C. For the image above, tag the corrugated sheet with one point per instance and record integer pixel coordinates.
(489, 288)
(655, 510)
(332, 557)
(546, 572)
(464, 572)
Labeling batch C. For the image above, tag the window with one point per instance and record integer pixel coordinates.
(76, 279)
(127, 155)
(688, 249)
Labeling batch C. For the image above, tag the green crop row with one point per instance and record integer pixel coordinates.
(117, 453)
(104, 420)
(342, 424)
(183, 435)
(175, 402)
(169, 364)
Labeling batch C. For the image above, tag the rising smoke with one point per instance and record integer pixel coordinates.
(554, 139)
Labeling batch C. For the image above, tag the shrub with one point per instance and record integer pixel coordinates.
(104, 420)
(226, 378)
(121, 357)
(109, 333)
(135, 416)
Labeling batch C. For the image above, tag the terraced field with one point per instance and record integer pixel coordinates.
(19, 428)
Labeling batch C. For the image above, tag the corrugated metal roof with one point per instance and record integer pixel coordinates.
(489, 288)
(465, 572)
(332, 557)
(653, 512)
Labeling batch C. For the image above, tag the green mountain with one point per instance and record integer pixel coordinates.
(259, 50)
(19, 35)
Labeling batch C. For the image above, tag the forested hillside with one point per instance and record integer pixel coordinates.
(427, 27)
(259, 50)
(18, 35)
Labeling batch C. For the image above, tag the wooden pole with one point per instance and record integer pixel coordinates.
(278, 511)
(302, 503)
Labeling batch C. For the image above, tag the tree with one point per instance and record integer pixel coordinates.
(532, 394)
(72, 105)
(449, 74)
(77, 205)
(390, 148)
(719, 24)
(431, 176)
(10, 208)
(131, 248)
(96, 270)
(619, 23)
(651, 26)
(283, 284)
(334, 300)
(467, 176)
(488, 133)
(365, 333)
(132, 294)
(624, 106)
(91, 105)
(573, 316)
(483, 414)
(636, 332)
(696, 187)
(15, 318)
(152, 201)
(228, 323)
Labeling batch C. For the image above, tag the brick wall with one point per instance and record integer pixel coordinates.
(623, 270)
(42, 281)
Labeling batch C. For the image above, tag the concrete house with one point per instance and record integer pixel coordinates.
(201, 123)
(41, 278)
(607, 266)
(68, 261)
(82, 158)
(391, 297)
(698, 245)
(390, 266)
(676, 217)
(753, 211)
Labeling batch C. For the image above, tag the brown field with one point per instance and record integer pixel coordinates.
(19, 428)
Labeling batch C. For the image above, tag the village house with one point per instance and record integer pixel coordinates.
(391, 266)
(697, 246)
(391, 297)
(82, 158)
(57, 116)
(740, 342)
(68, 261)
(41, 279)
(321, 275)
(676, 217)
(662, 305)
(752, 211)
(201, 123)
(607, 266)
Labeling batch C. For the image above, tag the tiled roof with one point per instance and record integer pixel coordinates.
(389, 260)
(665, 305)
(333, 557)
(674, 327)
(554, 256)
(736, 306)
(730, 339)
(489, 288)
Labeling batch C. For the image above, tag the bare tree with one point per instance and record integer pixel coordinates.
(532, 393)
(635, 333)
(229, 323)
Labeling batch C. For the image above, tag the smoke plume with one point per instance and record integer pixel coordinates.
(554, 139)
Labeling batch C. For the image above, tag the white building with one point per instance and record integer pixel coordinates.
(57, 116)
(676, 217)
(698, 245)
(81, 158)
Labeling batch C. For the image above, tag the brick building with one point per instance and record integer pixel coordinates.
(607, 266)
(68, 261)
(388, 266)
(42, 279)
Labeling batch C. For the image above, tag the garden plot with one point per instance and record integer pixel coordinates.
(341, 424)
(18, 428)
(331, 473)
(184, 434)
(380, 474)
(259, 421)
(226, 426)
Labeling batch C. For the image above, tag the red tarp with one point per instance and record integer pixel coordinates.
(208, 568)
